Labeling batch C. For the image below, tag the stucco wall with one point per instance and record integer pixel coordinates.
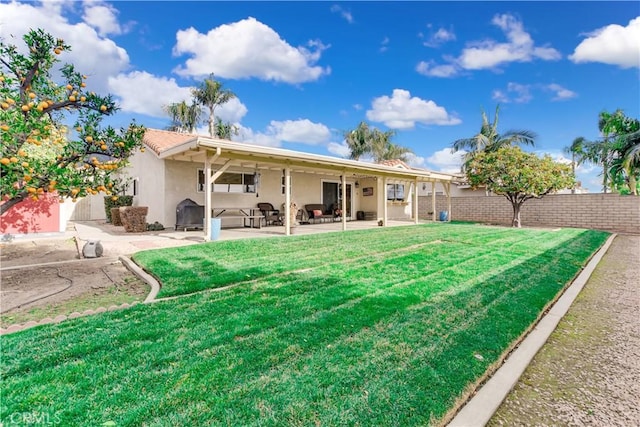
(598, 211)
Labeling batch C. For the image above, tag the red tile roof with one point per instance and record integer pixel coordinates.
(161, 140)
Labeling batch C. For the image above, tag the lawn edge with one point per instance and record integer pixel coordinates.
(144, 276)
(483, 399)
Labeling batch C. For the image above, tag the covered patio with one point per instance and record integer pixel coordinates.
(291, 179)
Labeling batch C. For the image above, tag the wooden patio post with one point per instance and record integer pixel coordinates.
(287, 201)
(207, 197)
(343, 205)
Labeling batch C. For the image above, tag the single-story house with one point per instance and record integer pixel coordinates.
(178, 166)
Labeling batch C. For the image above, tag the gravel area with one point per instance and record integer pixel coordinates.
(588, 373)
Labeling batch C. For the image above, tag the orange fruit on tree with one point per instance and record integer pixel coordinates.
(4, 127)
(25, 164)
(72, 98)
(25, 108)
(103, 108)
(89, 139)
(103, 147)
(69, 87)
(57, 51)
(5, 161)
(14, 159)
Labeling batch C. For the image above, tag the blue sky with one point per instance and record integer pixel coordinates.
(305, 72)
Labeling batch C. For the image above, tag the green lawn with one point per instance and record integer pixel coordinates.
(378, 327)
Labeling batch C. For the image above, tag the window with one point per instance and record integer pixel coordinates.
(395, 192)
(229, 182)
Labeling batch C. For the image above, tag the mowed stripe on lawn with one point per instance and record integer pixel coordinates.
(384, 338)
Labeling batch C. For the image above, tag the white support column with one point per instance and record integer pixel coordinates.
(384, 201)
(343, 205)
(415, 201)
(207, 197)
(433, 201)
(287, 201)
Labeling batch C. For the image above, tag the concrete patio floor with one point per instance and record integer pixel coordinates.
(116, 241)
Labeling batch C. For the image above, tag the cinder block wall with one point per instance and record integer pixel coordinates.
(611, 212)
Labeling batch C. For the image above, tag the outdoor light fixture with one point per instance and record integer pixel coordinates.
(357, 184)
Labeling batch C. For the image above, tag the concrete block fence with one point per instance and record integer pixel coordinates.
(611, 212)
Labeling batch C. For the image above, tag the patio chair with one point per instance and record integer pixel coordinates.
(271, 215)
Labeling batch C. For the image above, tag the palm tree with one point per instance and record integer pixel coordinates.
(210, 94)
(383, 149)
(365, 140)
(225, 130)
(184, 118)
(578, 155)
(488, 139)
(358, 141)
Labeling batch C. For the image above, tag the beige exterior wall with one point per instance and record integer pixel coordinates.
(598, 211)
(149, 171)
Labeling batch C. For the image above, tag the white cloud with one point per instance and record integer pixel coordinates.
(301, 130)
(516, 92)
(489, 54)
(143, 93)
(519, 47)
(561, 93)
(446, 161)
(521, 93)
(248, 48)
(439, 37)
(433, 70)
(91, 54)
(247, 135)
(415, 160)
(103, 18)
(339, 149)
(344, 13)
(613, 44)
(401, 111)
(384, 45)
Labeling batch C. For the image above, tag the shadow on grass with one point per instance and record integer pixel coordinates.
(299, 350)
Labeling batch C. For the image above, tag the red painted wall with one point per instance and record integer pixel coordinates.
(30, 216)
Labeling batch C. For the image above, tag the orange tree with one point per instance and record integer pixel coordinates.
(518, 176)
(38, 155)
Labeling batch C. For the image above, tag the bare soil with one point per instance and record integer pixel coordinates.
(45, 278)
(588, 373)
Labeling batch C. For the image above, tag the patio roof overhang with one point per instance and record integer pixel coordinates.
(262, 157)
(212, 152)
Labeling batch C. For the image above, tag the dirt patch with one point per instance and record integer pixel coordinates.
(588, 373)
(46, 278)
